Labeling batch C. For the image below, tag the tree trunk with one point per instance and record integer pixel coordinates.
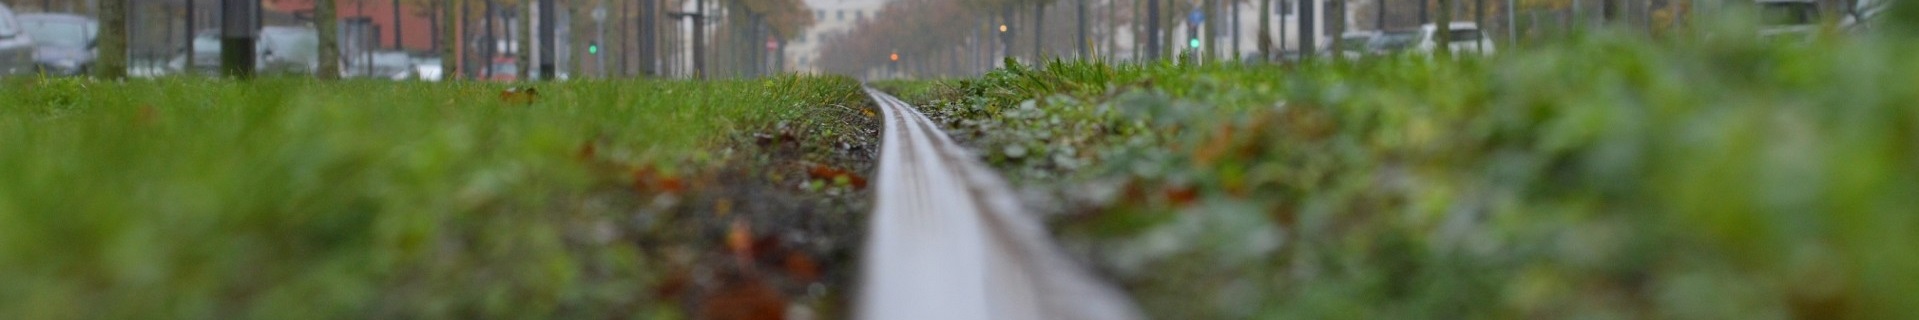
(399, 29)
(1265, 33)
(112, 60)
(1235, 31)
(449, 40)
(1308, 29)
(1443, 36)
(239, 32)
(327, 20)
(649, 31)
(489, 20)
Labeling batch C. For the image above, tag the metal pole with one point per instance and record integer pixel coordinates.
(491, 50)
(1082, 30)
(1235, 34)
(1308, 39)
(238, 33)
(649, 37)
(1512, 24)
(699, 39)
(599, 38)
(1152, 30)
(547, 26)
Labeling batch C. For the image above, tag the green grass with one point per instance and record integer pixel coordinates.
(1696, 176)
(188, 198)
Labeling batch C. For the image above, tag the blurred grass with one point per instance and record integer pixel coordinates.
(1700, 176)
(188, 198)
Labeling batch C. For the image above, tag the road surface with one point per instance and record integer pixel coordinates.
(948, 240)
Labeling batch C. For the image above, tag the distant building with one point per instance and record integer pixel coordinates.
(415, 26)
(830, 18)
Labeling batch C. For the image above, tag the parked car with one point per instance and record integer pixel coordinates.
(63, 43)
(1353, 45)
(206, 54)
(288, 50)
(1393, 42)
(427, 69)
(1862, 15)
(278, 50)
(391, 65)
(16, 45)
(504, 69)
(1466, 39)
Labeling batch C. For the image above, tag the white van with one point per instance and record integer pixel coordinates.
(1466, 39)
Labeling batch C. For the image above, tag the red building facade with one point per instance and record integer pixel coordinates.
(415, 25)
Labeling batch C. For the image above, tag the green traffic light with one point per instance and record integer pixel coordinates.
(1193, 43)
(593, 49)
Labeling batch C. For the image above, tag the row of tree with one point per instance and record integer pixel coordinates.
(642, 35)
(957, 37)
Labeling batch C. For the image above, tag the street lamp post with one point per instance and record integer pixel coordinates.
(239, 30)
(699, 56)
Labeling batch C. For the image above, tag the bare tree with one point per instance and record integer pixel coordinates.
(327, 20)
(112, 60)
(1443, 24)
(449, 42)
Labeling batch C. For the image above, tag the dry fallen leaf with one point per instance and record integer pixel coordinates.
(739, 239)
(744, 298)
(519, 95)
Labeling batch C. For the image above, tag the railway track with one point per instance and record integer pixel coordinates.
(949, 240)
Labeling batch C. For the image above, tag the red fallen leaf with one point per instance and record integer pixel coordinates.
(519, 95)
(1182, 196)
(642, 179)
(1216, 146)
(829, 173)
(739, 239)
(672, 184)
(673, 285)
(765, 247)
(802, 267)
(744, 298)
(645, 180)
(588, 150)
(148, 114)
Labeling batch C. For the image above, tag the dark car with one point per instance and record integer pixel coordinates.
(16, 46)
(63, 43)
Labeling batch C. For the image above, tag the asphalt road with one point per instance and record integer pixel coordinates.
(949, 240)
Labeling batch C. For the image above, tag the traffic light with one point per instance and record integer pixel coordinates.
(593, 47)
(1193, 43)
(896, 56)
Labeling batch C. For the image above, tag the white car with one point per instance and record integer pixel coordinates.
(1466, 39)
(1353, 45)
(1862, 15)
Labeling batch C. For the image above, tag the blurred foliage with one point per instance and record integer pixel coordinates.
(281, 198)
(1706, 175)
